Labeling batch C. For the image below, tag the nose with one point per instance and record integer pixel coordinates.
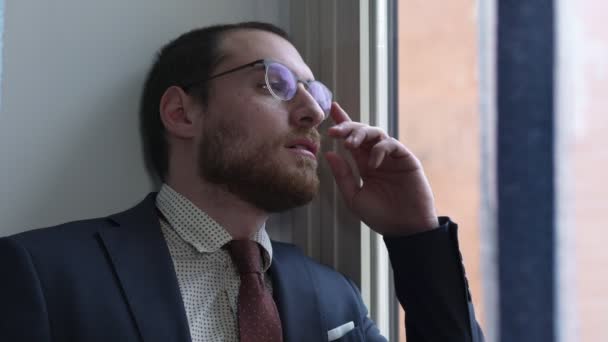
(306, 110)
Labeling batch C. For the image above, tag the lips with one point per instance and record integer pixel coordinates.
(304, 144)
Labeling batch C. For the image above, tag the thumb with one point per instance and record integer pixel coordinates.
(343, 174)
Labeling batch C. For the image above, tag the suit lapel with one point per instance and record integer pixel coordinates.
(143, 265)
(296, 295)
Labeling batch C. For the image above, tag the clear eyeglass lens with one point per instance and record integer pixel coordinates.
(281, 81)
(284, 85)
(320, 93)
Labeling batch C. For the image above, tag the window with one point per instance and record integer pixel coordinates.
(437, 100)
(503, 103)
(582, 124)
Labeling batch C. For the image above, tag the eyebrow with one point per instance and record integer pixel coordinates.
(296, 74)
(304, 79)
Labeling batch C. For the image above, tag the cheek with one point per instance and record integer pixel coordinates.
(252, 109)
(265, 113)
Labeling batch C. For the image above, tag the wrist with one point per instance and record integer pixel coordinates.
(411, 228)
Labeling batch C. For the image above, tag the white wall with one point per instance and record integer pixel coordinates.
(72, 74)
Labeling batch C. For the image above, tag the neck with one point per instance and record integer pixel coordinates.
(240, 219)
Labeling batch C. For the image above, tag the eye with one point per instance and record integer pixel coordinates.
(278, 85)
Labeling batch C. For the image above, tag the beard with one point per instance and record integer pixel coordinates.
(253, 170)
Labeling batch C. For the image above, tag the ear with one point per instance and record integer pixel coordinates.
(179, 113)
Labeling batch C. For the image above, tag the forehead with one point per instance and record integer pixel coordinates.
(244, 46)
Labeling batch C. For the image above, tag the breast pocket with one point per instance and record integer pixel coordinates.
(354, 335)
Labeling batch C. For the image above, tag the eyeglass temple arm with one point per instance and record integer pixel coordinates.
(188, 86)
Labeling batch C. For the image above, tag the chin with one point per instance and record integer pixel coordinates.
(306, 163)
(289, 190)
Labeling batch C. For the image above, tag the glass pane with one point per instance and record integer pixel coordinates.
(583, 80)
(439, 113)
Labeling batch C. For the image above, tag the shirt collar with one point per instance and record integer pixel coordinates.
(198, 229)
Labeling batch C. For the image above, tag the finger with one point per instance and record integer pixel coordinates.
(344, 129)
(356, 137)
(366, 134)
(338, 114)
(343, 173)
(385, 148)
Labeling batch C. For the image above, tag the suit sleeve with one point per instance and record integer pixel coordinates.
(431, 286)
(23, 314)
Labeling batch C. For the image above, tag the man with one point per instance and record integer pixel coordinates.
(229, 118)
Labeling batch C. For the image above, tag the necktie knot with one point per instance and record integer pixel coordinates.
(246, 256)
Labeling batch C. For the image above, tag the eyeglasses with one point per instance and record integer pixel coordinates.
(282, 83)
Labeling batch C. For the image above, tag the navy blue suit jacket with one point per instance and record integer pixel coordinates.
(112, 279)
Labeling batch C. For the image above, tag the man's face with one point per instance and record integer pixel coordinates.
(251, 142)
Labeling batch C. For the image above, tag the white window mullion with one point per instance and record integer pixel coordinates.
(374, 111)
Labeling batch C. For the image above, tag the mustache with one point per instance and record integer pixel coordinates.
(312, 135)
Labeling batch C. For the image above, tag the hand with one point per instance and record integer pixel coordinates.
(395, 197)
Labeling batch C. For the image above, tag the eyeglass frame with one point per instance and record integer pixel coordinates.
(265, 62)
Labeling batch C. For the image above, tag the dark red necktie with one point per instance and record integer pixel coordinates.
(257, 313)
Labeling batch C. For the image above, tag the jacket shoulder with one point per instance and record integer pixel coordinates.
(292, 252)
(76, 232)
(60, 234)
(334, 287)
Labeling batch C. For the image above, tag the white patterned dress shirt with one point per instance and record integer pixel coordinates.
(208, 279)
